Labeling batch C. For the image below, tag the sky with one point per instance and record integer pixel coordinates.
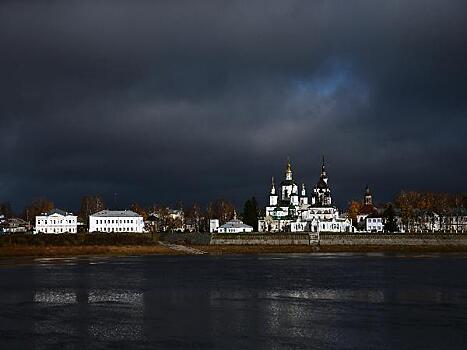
(162, 101)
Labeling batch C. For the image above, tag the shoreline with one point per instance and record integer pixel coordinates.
(97, 250)
(19, 251)
(294, 249)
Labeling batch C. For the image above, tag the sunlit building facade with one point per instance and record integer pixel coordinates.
(291, 210)
(116, 221)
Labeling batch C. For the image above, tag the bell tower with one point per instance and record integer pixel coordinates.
(273, 194)
(368, 197)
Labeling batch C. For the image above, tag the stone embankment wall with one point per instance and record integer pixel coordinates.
(393, 239)
(262, 239)
(333, 239)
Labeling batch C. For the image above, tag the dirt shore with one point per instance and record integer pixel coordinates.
(109, 250)
(62, 251)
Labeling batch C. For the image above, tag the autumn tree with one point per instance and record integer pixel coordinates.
(194, 215)
(220, 209)
(353, 210)
(90, 205)
(161, 217)
(407, 203)
(428, 211)
(37, 207)
(138, 209)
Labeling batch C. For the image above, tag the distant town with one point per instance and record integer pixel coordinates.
(291, 208)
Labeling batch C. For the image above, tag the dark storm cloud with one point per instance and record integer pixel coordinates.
(167, 100)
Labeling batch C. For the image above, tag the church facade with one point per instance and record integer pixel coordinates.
(291, 210)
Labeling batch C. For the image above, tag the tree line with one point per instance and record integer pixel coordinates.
(418, 211)
(197, 216)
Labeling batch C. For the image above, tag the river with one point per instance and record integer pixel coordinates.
(296, 301)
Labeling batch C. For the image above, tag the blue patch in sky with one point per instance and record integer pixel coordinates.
(326, 81)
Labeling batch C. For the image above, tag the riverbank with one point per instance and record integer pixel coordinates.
(66, 251)
(67, 245)
(272, 249)
(125, 250)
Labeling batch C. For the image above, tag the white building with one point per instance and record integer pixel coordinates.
(56, 221)
(374, 223)
(213, 225)
(116, 221)
(291, 210)
(234, 226)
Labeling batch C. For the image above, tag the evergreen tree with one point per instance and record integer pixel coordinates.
(390, 223)
(5, 209)
(250, 213)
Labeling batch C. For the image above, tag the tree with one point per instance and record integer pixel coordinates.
(162, 218)
(138, 209)
(193, 217)
(390, 222)
(250, 213)
(407, 203)
(90, 205)
(5, 209)
(353, 210)
(220, 209)
(37, 207)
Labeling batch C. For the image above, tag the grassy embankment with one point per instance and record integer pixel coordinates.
(19, 245)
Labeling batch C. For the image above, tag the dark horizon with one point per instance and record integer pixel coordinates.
(161, 102)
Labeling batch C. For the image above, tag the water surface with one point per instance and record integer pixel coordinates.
(298, 301)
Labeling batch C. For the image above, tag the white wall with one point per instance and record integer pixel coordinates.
(213, 225)
(116, 224)
(374, 225)
(235, 230)
(56, 223)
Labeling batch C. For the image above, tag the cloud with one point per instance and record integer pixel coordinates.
(161, 101)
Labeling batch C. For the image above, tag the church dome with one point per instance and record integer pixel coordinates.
(322, 184)
(287, 182)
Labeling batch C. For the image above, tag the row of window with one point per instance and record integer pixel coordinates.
(115, 221)
(332, 227)
(374, 220)
(55, 222)
(57, 230)
(232, 230)
(117, 229)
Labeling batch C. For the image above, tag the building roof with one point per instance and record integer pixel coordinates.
(58, 211)
(116, 213)
(322, 184)
(235, 223)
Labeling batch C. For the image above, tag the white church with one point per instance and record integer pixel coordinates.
(290, 209)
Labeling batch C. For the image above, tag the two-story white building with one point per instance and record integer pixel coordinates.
(56, 221)
(116, 221)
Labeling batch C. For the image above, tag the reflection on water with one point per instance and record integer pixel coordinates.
(130, 325)
(369, 296)
(55, 296)
(135, 299)
(329, 301)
